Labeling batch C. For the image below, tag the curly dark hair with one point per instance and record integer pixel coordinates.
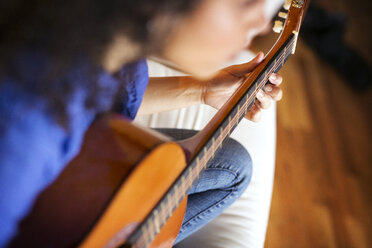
(63, 29)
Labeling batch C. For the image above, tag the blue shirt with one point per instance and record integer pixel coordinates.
(34, 148)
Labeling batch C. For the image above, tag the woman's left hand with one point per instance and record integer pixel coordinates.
(217, 90)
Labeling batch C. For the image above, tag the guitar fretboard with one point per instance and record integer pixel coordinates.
(153, 223)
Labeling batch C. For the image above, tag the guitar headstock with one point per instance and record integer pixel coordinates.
(290, 18)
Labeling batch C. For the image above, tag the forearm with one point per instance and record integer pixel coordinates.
(169, 93)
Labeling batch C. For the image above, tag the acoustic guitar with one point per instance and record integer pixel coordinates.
(128, 185)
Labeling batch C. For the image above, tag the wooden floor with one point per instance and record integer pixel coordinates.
(323, 182)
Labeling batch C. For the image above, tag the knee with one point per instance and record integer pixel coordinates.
(245, 170)
(238, 158)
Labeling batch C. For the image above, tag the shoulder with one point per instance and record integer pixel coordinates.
(34, 149)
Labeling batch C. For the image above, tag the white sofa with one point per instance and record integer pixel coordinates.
(244, 224)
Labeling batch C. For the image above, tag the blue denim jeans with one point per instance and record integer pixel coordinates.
(220, 184)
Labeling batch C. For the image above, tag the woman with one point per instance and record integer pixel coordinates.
(64, 63)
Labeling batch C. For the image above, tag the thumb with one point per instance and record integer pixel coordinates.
(242, 69)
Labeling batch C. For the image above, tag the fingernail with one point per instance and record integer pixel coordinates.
(260, 56)
(273, 77)
(268, 88)
(260, 94)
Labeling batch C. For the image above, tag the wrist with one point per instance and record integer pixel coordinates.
(195, 89)
(203, 92)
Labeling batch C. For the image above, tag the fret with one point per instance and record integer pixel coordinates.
(223, 135)
(197, 162)
(229, 125)
(169, 201)
(266, 78)
(213, 146)
(203, 162)
(205, 153)
(225, 125)
(234, 112)
(183, 185)
(221, 132)
(176, 194)
(145, 233)
(209, 148)
(208, 152)
(237, 119)
(244, 108)
(194, 169)
(156, 221)
(221, 140)
(163, 212)
(283, 58)
(151, 229)
(187, 175)
(196, 177)
(186, 180)
(234, 122)
(192, 172)
(255, 86)
(285, 51)
(142, 240)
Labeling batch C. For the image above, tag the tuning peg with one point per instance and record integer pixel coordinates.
(283, 15)
(278, 26)
(287, 4)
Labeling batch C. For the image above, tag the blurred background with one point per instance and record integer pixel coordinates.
(323, 181)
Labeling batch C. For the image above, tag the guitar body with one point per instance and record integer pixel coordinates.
(107, 195)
